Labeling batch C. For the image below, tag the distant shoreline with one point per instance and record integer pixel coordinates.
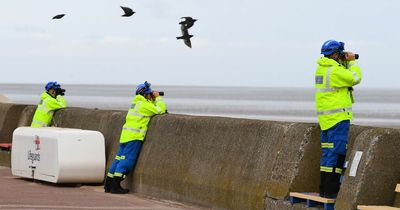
(372, 107)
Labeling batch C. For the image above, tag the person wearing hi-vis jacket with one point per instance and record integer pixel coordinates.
(51, 100)
(336, 74)
(145, 104)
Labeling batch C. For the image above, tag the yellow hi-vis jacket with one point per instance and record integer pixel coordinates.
(333, 98)
(139, 116)
(45, 110)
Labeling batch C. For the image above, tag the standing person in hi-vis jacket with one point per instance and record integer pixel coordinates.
(335, 77)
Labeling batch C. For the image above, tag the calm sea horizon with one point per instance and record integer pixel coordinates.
(375, 107)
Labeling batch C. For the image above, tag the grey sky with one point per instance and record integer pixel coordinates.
(236, 43)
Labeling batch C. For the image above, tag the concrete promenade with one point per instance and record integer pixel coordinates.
(18, 193)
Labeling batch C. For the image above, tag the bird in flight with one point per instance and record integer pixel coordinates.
(58, 16)
(188, 22)
(185, 36)
(128, 11)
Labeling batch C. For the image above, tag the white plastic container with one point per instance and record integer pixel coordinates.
(58, 155)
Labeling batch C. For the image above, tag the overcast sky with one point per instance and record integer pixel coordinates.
(235, 43)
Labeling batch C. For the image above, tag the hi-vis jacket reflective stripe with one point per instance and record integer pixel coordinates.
(45, 110)
(332, 96)
(139, 116)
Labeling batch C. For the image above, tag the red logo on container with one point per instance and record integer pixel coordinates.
(37, 143)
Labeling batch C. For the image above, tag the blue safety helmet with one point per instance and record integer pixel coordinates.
(332, 46)
(52, 85)
(144, 89)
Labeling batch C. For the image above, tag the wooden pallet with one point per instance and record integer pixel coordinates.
(312, 199)
(360, 207)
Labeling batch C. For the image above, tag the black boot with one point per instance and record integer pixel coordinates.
(332, 180)
(332, 185)
(322, 184)
(116, 186)
(107, 184)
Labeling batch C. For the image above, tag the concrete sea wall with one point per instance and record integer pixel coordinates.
(4, 99)
(13, 116)
(226, 163)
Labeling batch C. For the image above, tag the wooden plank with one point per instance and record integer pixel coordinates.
(312, 196)
(361, 207)
(397, 188)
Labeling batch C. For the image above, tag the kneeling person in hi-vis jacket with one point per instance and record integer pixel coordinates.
(336, 74)
(51, 100)
(145, 104)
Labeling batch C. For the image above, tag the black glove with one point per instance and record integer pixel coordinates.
(350, 88)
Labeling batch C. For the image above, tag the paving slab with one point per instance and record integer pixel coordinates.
(19, 193)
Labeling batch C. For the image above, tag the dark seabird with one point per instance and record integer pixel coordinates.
(188, 22)
(185, 36)
(58, 16)
(128, 11)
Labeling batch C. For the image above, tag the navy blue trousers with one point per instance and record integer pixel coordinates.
(126, 158)
(334, 146)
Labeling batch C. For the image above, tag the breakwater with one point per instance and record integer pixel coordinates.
(228, 163)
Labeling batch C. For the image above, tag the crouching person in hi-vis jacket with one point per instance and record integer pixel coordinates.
(145, 104)
(50, 100)
(336, 74)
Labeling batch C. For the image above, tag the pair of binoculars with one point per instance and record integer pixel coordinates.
(345, 56)
(60, 91)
